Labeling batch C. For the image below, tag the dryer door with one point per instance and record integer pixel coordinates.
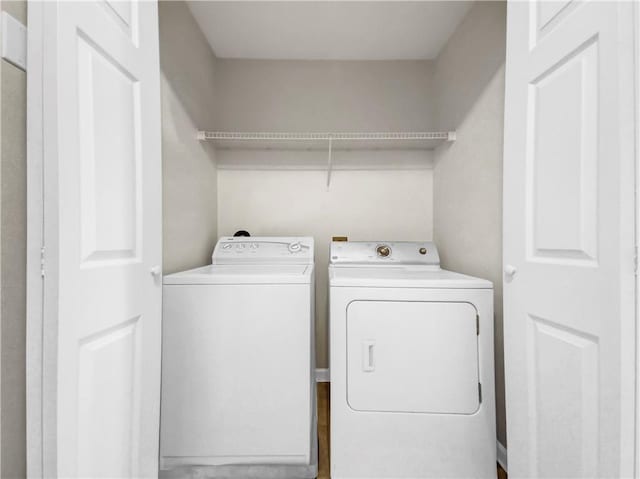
(410, 356)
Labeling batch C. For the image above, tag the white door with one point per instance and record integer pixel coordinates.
(569, 239)
(102, 239)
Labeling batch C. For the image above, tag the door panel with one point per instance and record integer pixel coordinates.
(110, 147)
(125, 15)
(568, 239)
(563, 366)
(410, 356)
(545, 15)
(102, 235)
(109, 402)
(561, 157)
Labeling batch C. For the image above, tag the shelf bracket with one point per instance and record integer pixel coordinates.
(329, 162)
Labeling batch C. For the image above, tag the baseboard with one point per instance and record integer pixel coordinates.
(322, 375)
(502, 455)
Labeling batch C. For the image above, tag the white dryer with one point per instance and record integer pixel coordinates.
(238, 383)
(412, 377)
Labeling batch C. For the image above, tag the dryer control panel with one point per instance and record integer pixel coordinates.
(419, 253)
(263, 250)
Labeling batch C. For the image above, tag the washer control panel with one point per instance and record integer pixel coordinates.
(385, 252)
(265, 250)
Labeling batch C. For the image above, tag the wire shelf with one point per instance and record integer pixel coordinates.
(406, 140)
(308, 136)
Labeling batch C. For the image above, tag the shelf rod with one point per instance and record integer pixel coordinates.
(329, 163)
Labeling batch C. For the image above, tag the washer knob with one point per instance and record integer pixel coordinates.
(295, 246)
(383, 251)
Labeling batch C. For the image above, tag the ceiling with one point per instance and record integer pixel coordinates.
(328, 30)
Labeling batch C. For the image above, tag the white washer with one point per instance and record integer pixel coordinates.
(412, 378)
(238, 368)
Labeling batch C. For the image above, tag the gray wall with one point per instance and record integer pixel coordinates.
(13, 237)
(363, 205)
(297, 95)
(469, 81)
(189, 171)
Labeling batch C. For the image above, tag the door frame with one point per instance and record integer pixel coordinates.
(636, 132)
(42, 321)
(35, 236)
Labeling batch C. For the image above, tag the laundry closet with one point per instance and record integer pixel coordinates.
(247, 207)
(445, 81)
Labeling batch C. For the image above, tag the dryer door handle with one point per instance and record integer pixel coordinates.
(368, 360)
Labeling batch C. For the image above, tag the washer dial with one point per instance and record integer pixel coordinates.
(295, 246)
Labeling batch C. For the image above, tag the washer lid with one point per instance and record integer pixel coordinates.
(244, 274)
(402, 277)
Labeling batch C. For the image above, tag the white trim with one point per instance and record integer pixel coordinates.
(322, 375)
(502, 455)
(42, 228)
(35, 422)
